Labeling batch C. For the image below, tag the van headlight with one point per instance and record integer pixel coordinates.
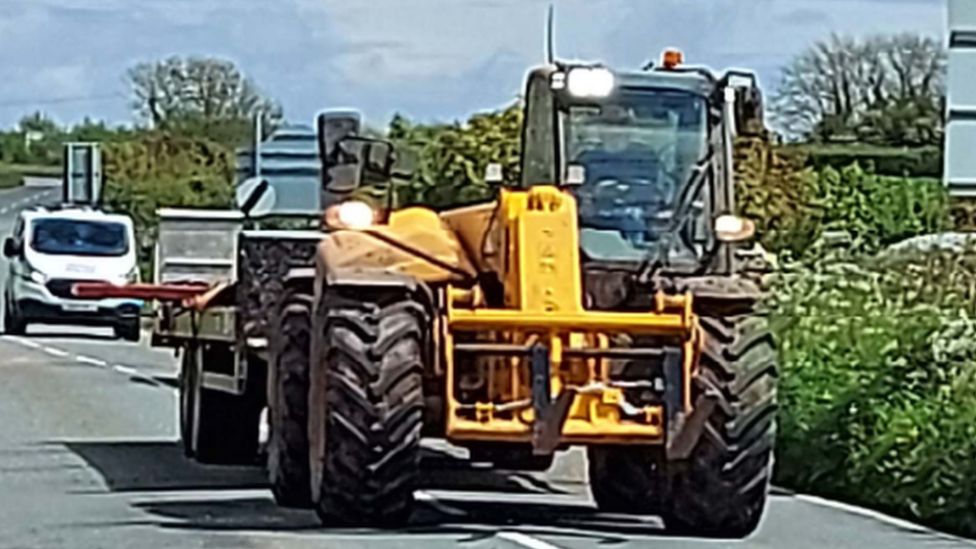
(38, 277)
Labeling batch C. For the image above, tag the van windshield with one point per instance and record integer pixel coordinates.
(78, 237)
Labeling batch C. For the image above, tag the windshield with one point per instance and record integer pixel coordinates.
(77, 237)
(636, 154)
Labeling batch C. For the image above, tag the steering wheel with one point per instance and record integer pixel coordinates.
(633, 207)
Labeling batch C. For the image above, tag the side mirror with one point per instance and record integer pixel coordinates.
(378, 158)
(10, 248)
(749, 110)
(340, 170)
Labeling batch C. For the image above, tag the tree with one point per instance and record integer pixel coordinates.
(885, 89)
(452, 158)
(200, 96)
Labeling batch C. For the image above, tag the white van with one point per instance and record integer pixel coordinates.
(50, 250)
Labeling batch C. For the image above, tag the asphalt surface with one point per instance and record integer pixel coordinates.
(89, 458)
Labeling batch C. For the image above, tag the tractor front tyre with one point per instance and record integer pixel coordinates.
(288, 449)
(720, 491)
(625, 479)
(370, 388)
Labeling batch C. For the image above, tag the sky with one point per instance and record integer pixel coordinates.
(429, 59)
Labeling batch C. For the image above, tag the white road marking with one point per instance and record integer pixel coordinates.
(23, 341)
(125, 370)
(445, 508)
(92, 361)
(55, 352)
(881, 517)
(526, 540)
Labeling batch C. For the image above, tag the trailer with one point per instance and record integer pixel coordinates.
(219, 279)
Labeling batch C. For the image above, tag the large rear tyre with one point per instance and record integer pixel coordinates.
(721, 490)
(288, 449)
(368, 383)
(217, 427)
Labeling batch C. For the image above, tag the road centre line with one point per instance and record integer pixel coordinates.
(125, 370)
(55, 352)
(25, 342)
(92, 361)
(525, 540)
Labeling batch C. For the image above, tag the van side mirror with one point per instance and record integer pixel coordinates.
(10, 248)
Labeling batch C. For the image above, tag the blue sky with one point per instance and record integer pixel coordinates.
(431, 59)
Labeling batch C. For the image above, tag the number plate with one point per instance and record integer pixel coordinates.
(79, 308)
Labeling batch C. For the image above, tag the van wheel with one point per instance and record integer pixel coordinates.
(13, 323)
(128, 330)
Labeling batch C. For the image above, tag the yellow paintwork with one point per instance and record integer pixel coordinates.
(540, 270)
(530, 240)
(406, 244)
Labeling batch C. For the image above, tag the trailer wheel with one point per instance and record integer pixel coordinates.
(288, 449)
(219, 428)
(367, 381)
(721, 490)
(187, 402)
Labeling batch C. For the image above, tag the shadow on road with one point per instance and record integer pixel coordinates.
(160, 466)
(136, 467)
(476, 520)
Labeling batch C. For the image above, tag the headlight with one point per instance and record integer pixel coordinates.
(590, 82)
(732, 228)
(353, 214)
(38, 277)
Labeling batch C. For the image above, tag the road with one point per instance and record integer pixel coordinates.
(89, 459)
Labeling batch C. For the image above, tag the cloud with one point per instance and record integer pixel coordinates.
(428, 58)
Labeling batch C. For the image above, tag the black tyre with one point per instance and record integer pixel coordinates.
(187, 401)
(288, 448)
(626, 479)
(721, 490)
(218, 428)
(128, 330)
(369, 378)
(13, 323)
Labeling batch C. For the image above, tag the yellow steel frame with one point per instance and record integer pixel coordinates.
(543, 303)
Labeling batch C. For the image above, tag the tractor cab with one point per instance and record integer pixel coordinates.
(646, 154)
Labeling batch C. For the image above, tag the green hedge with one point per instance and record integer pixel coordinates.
(794, 206)
(157, 170)
(12, 175)
(878, 387)
(900, 162)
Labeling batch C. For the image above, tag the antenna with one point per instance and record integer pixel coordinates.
(550, 31)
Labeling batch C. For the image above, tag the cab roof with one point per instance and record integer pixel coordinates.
(697, 81)
(81, 214)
